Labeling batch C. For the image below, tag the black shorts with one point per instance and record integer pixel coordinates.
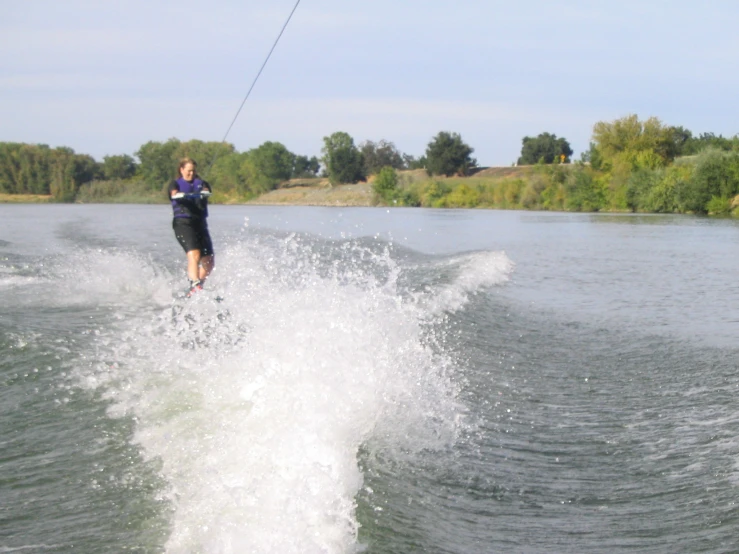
(192, 234)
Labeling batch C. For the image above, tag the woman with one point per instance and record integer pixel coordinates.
(189, 196)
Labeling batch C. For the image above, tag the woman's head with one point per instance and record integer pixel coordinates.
(187, 169)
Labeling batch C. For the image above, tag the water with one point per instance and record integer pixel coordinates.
(373, 380)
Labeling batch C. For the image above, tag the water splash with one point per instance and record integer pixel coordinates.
(258, 405)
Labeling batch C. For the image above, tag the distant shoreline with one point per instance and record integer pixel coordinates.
(302, 195)
(25, 198)
(299, 192)
(530, 188)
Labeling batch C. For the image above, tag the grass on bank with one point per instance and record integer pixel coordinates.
(25, 198)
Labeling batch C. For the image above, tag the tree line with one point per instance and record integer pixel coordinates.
(65, 175)
(631, 165)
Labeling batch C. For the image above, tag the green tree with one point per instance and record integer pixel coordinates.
(695, 145)
(545, 148)
(662, 196)
(252, 181)
(380, 154)
(35, 168)
(204, 153)
(25, 168)
(639, 187)
(69, 171)
(448, 155)
(584, 192)
(118, 167)
(240, 172)
(411, 162)
(273, 161)
(682, 139)
(9, 178)
(716, 174)
(225, 174)
(593, 157)
(624, 138)
(158, 162)
(342, 159)
(304, 167)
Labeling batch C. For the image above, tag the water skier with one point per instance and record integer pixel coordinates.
(189, 196)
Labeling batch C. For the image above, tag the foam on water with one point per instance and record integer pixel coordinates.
(472, 272)
(258, 405)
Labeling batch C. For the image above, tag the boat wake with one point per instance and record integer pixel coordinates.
(257, 406)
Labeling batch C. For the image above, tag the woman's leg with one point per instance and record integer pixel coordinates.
(193, 265)
(206, 266)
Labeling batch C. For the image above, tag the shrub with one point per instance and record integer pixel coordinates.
(716, 174)
(385, 184)
(661, 198)
(639, 186)
(718, 205)
(463, 196)
(431, 192)
(584, 192)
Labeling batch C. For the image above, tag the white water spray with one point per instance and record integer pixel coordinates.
(257, 406)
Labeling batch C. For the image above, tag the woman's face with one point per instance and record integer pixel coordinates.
(187, 171)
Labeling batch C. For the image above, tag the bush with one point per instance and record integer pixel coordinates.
(716, 174)
(385, 184)
(718, 205)
(584, 192)
(431, 192)
(661, 198)
(639, 187)
(463, 196)
(531, 194)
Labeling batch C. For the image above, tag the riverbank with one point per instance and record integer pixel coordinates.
(297, 192)
(299, 195)
(319, 194)
(568, 188)
(24, 198)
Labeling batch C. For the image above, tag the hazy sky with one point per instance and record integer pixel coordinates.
(104, 77)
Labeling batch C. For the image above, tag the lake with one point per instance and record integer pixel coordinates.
(368, 379)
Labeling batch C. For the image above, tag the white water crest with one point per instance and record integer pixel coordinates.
(257, 405)
(471, 272)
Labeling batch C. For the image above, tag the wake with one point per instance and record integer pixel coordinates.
(257, 406)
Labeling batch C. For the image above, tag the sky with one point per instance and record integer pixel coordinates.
(104, 77)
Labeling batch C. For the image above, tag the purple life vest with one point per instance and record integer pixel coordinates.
(190, 207)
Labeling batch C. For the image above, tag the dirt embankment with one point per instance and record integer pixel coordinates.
(505, 171)
(319, 192)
